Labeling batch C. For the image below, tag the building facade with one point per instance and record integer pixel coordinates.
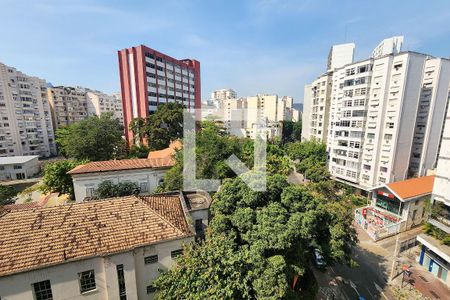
(387, 46)
(25, 118)
(317, 95)
(223, 94)
(99, 103)
(105, 249)
(395, 207)
(68, 104)
(435, 255)
(149, 77)
(379, 127)
(147, 173)
(19, 167)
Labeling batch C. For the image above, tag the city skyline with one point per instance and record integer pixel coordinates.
(267, 46)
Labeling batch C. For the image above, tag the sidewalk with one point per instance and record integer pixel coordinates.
(427, 284)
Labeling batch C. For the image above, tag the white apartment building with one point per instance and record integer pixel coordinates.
(223, 94)
(340, 55)
(25, 118)
(430, 116)
(19, 167)
(391, 45)
(68, 104)
(374, 117)
(98, 103)
(318, 108)
(435, 256)
(105, 249)
(317, 95)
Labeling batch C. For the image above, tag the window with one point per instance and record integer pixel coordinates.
(143, 187)
(87, 281)
(90, 192)
(176, 253)
(43, 290)
(17, 167)
(150, 289)
(121, 281)
(199, 226)
(390, 125)
(151, 259)
(383, 169)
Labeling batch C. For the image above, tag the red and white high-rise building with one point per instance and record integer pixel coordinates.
(149, 77)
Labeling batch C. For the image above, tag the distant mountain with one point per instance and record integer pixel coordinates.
(298, 106)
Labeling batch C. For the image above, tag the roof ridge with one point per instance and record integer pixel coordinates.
(146, 201)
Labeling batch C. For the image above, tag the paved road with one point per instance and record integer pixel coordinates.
(368, 280)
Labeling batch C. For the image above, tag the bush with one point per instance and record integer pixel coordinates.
(107, 189)
(7, 194)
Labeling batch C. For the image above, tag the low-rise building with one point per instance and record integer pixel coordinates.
(19, 167)
(395, 207)
(105, 249)
(146, 173)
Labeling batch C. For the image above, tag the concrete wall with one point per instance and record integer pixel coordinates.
(83, 181)
(65, 283)
(29, 168)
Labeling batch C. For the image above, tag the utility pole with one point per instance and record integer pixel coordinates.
(391, 277)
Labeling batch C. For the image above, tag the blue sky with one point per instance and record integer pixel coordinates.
(271, 46)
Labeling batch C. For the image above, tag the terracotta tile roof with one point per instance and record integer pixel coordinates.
(168, 152)
(40, 237)
(123, 164)
(20, 206)
(413, 187)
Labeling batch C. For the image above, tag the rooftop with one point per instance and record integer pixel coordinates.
(167, 152)
(9, 160)
(123, 164)
(413, 187)
(41, 237)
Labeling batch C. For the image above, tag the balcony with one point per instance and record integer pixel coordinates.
(440, 216)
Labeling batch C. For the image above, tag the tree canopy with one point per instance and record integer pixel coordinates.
(56, 178)
(259, 241)
(7, 194)
(95, 138)
(160, 128)
(291, 131)
(108, 189)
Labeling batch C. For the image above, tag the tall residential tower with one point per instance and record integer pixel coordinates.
(149, 78)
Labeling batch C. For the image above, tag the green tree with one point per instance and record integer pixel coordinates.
(291, 131)
(138, 127)
(165, 125)
(139, 151)
(107, 189)
(213, 269)
(7, 194)
(95, 138)
(56, 178)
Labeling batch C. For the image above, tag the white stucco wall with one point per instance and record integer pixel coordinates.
(64, 277)
(83, 181)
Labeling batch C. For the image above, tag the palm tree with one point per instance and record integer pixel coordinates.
(137, 126)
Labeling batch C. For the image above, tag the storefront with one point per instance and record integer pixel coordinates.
(433, 257)
(388, 202)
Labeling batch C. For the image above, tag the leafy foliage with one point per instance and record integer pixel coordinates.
(7, 194)
(311, 157)
(95, 138)
(438, 233)
(164, 126)
(107, 189)
(139, 151)
(56, 178)
(267, 237)
(291, 131)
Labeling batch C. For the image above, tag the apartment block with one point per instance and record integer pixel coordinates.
(25, 117)
(434, 255)
(68, 104)
(99, 103)
(433, 104)
(319, 107)
(377, 135)
(149, 77)
(317, 95)
(223, 94)
(392, 45)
